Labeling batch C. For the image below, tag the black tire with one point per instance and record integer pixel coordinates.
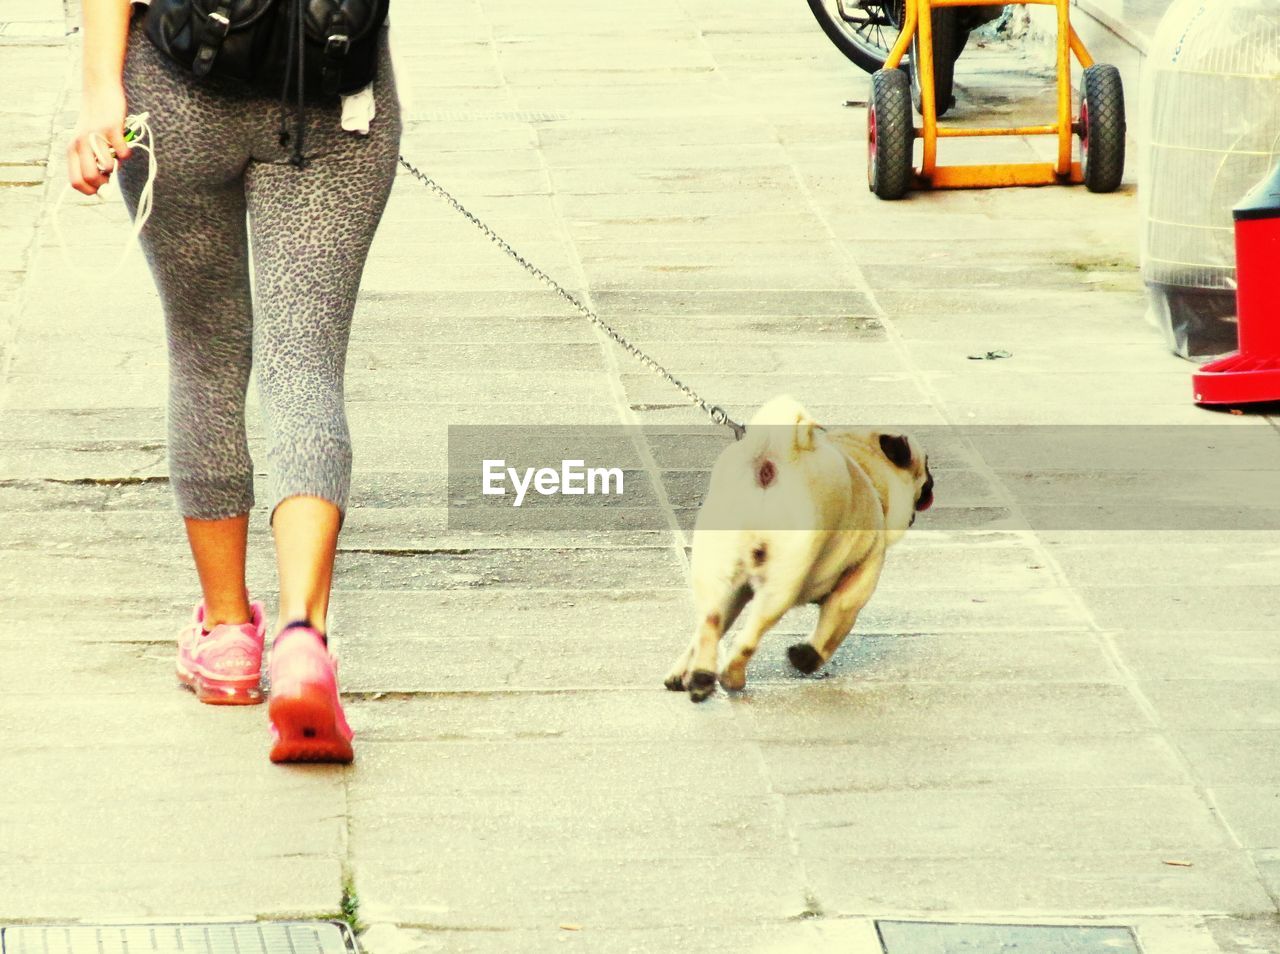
(1102, 128)
(863, 30)
(949, 39)
(890, 135)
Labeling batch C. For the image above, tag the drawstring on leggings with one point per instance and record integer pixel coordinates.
(293, 66)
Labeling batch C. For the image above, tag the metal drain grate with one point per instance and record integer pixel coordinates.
(924, 937)
(266, 937)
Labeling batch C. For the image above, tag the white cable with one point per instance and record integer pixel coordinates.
(143, 141)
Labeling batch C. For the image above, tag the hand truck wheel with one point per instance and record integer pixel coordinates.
(1102, 128)
(890, 135)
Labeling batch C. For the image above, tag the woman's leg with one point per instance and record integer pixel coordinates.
(311, 231)
(219, 549)
(196, 244)
(306, 534)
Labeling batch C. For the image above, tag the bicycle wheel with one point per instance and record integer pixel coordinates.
(863, 30)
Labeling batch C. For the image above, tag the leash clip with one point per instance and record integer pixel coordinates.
(720, 416)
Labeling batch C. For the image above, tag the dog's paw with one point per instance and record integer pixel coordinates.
(734, 678)
(702, 683)
(675, 682)
(805, 658)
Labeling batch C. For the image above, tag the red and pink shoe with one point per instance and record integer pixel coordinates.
(307, 722)
(223, 665)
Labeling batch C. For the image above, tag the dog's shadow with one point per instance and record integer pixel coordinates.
(861, 659)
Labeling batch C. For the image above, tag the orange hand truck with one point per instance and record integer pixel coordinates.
(891, 133)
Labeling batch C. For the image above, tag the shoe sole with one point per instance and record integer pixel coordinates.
(223, 692)
(306, 726)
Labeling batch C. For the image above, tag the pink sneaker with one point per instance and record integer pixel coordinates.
(307, 722)
(224, 665)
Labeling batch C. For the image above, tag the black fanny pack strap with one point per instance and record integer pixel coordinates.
(299, 57)
(212, 31)
(293, 66)
(337, 44)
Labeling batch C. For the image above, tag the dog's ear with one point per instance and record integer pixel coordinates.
(925, 501)
(897, 448)
(803, 439)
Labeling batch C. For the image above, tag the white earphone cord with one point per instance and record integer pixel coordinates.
(141, 127)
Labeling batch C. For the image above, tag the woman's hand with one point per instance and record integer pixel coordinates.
(101, 124)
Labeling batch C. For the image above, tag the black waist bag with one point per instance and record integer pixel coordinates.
(255, 41)
(316, 48)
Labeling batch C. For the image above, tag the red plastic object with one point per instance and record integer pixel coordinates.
(1252, 374)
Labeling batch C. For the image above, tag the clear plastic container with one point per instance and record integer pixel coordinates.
(1210, 130)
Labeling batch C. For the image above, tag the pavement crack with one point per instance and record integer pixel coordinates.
(151, 464)
(454, 928)
(378, 695)
(85, 481)
(410, 551)
(812, 908)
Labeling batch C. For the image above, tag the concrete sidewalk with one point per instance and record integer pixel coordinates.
(1053, 726)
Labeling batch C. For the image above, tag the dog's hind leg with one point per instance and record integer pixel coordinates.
(679, 674)
(712, 624)
(769, 606)
(680, 669)
(701, 681)
(839, 614)
(740, 599)
(692, 671)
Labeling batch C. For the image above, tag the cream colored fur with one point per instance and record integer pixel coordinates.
(794, 514)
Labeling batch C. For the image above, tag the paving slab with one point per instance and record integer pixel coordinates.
(1246, 935)
(122, 834)
(1223, 757)
(462, 713)
(1200, 606)
(93, 890)
(942, 824)
(1059, 883)
(447, 892)
(776, 936)
(849, 711)
(1007, 764)
(1172, 655)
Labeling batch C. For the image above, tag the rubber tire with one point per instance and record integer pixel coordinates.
(1102, 128)
(864, 57)
(890, 135)
(949, 39)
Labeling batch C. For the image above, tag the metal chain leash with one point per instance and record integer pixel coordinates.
(714, 411)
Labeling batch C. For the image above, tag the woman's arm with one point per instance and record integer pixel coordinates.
(102, 102)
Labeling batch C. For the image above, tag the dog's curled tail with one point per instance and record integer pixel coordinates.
(780, 430)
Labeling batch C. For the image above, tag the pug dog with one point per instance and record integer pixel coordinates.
(795, 513)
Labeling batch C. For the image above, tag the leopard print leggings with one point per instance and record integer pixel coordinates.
(218, 157)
